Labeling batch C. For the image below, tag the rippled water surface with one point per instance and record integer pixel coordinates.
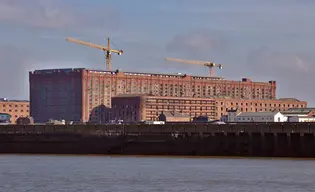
(133, 174)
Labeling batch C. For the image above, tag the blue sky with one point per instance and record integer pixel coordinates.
(262, 40)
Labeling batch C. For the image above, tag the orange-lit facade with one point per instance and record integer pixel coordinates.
(143, 107)
(137, 108)
(15, 108)
(73, 94)
(223, 105)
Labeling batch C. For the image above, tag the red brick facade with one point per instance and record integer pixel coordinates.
(223, 105)
(140, 108)
(136, 108)
(75, 94)
(15, 108)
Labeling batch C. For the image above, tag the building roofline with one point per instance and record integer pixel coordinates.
(5, 114)
(143, 73)
(258, 113)
(162, 97)
(8, 100)
(304, 117)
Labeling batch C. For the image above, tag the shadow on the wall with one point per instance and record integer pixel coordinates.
(101, 115)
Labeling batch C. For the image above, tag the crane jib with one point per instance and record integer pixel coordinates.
(204, 63)
(107, 50)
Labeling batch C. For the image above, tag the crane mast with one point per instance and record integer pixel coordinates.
(108, 55)
(107, 50)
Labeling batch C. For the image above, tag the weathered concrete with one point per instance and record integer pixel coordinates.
(280, 140)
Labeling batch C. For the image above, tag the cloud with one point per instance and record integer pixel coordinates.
(57, 14)
(247, 16)
(293, 71)
(16, 62)
(38, 13)
(198, 43)
(13, 74)
(139, 56)
(265, 60)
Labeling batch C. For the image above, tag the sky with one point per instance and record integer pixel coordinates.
(261, 40)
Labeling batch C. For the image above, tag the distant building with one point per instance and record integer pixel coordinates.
(5, 118)
(174, 117)
(25, 121)
(55, 122)
(300, 114)
(16, 108)
(302, 119)
(291, 112)
(131, 108)
(201, 119)
(246, 117)
(232, 115)
(247, 105)
(224, 118)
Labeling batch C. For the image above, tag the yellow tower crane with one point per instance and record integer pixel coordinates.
(107, 50)
(204, 63)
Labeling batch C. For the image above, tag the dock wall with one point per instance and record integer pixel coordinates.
(261, 139)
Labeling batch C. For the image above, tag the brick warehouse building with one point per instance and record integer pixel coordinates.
(223, 105)
(16, 108)
(73, 94)
(145, 107)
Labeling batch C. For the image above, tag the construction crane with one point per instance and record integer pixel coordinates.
(204, 63)
(107, 50)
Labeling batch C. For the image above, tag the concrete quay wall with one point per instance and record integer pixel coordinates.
(189, 128)
(262, 140)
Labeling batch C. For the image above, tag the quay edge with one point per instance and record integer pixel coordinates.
(246, 140)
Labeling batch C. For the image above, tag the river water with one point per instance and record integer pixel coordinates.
(135, 174)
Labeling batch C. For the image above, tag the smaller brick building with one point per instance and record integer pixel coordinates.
(131, 108)
(251, 105)
(16, 108)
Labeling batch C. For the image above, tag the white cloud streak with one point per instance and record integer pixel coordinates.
(38, 13)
